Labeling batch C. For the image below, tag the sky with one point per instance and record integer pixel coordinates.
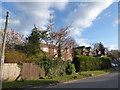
(91, 22)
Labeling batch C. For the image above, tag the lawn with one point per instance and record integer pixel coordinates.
(17, 84)
(95, 73)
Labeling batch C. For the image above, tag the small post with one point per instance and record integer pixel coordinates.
(3, 48)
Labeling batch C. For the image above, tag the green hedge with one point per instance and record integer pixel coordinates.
(57, 68)
(86, 63)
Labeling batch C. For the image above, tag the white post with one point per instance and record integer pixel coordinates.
(3, 50)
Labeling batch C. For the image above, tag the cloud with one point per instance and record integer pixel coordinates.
(26, 14)
(113, 47)
(82, 42)
(84, 15)
(107, 14)
(60, 5)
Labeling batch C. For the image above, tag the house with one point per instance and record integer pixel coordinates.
(52, 51)
(87, 51)
(49, 48)
(83, 50)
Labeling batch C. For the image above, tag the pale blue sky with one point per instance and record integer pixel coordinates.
(92, 22)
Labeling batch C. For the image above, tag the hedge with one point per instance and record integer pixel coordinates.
(86, 63)
(56, 68)
(15, 56)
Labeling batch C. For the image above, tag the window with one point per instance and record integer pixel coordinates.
(45, 49)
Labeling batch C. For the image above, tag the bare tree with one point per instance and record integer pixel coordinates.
(62, 40)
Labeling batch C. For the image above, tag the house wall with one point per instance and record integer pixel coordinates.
(52, 49)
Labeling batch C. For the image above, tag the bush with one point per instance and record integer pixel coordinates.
(70, 68)
(86, 63)
(53, 68)
(57, 68)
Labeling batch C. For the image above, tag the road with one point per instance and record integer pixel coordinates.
(103, 81)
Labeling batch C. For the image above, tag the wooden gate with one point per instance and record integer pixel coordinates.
(30, 71)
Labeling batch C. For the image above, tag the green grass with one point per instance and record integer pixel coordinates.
(17, 84)
(97, 72)
(67, 77)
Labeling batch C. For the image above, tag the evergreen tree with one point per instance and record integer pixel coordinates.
(99, 47)
(33, 46)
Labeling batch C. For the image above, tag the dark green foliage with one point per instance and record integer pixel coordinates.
(85, 63)
(59, 52)
(76, 62)
(20, 65)
(70, 68)
(57, 68)
(33, 46)
(53, 68)
(99, 46)
(105, 62)
(77, 52)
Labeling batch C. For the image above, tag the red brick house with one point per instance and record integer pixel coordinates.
(52, 50)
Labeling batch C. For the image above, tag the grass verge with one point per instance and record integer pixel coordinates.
(17, 84)
(97, 72)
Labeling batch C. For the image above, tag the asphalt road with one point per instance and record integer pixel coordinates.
(103, 81)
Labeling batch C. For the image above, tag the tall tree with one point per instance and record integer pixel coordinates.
(33, 45)
(99, 47)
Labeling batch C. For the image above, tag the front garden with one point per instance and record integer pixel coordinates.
(61, 71)
(57, 79)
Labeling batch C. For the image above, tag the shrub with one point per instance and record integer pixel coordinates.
(86, 63)
(57, 68)
(70, 68)
(53, 68)
(20, 65)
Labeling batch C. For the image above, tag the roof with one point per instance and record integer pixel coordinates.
(80, 47)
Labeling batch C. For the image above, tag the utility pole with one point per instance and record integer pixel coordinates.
(3, 47)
